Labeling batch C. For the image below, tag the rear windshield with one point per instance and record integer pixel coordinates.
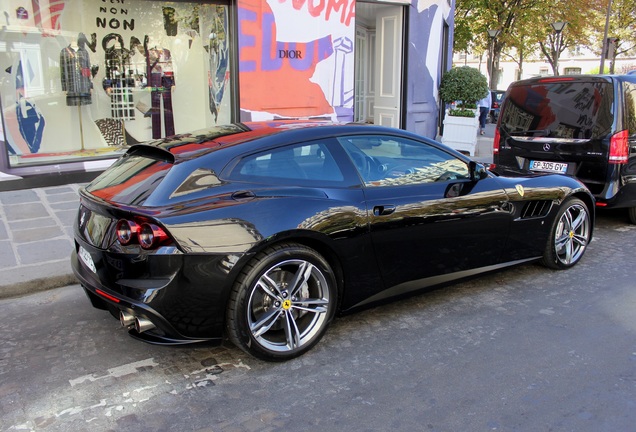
(560, 109)
(130, 180)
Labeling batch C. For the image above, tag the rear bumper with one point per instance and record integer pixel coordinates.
(608, 193)
(624, 198)
(153, 298)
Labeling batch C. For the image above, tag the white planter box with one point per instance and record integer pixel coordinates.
(460, 133)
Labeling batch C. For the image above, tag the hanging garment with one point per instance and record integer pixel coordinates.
(30, 120)
(75, 68)
(160, 80)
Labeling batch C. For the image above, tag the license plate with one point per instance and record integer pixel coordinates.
(549, 166)
(86, 259)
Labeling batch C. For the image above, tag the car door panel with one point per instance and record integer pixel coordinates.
(427, 217)
(430, 233)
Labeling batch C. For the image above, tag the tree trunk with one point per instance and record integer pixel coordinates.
(494, 61)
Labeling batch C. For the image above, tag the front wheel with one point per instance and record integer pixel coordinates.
(281, 303)
(631, 213)
(569, 235)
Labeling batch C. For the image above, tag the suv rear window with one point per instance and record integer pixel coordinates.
(560, 108)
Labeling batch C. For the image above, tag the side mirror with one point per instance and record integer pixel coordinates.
(477, 171)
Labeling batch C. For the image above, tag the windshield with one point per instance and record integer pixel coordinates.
(560, 109)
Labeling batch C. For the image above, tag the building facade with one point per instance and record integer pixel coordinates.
(83, 79)
(572, 62)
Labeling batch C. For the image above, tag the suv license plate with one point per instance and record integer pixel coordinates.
(549, 166)
(86, 259)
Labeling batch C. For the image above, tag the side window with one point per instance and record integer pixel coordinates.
(389, 161)
(284, 165)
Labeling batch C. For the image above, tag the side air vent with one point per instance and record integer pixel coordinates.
(535, 209)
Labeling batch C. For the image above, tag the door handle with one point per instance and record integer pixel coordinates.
(243, 195)
(383, 210)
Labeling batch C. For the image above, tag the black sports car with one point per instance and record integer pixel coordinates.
(264, 231)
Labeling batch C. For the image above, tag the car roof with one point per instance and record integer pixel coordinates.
(574, 78)
(251, 136)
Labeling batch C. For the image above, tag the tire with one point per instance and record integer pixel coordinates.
(631, 213)
(569, 236)
(282, 302)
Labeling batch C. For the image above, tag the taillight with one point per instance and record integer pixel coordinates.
(619, 148)
(151, 235)
(495, 143)
(147, 234)
(553, 80)
(126, 231)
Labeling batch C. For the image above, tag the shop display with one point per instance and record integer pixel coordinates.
(117, 65)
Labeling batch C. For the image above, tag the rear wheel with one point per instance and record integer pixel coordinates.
(282, 303)
(569, 236)
(631, 212)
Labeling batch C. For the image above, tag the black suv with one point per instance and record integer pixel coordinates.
(580, 125)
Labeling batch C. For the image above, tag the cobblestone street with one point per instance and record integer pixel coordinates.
(524, 349)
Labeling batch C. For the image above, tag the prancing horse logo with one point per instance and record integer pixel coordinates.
(520, 190)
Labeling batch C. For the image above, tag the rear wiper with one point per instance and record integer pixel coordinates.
(543, 132)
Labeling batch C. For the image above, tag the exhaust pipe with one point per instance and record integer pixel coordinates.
(126, 319)
(143, 324)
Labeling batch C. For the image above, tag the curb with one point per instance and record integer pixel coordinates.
(21, 289)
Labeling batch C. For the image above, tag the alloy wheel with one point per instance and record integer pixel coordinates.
(288, 305)
(572, 234)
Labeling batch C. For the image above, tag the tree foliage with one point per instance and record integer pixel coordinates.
(622, 25)
(464, 84)
(526, 31)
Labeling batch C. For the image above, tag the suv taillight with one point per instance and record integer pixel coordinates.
(495, 143)
(619, 148)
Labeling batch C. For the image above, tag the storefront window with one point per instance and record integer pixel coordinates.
(82, 79)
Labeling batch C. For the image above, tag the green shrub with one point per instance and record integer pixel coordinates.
(461, 112)
(463, 84)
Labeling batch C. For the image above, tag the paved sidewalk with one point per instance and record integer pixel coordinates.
(36, 233)
(483, 151)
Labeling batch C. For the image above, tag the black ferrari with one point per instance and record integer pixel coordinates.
(262, 232)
